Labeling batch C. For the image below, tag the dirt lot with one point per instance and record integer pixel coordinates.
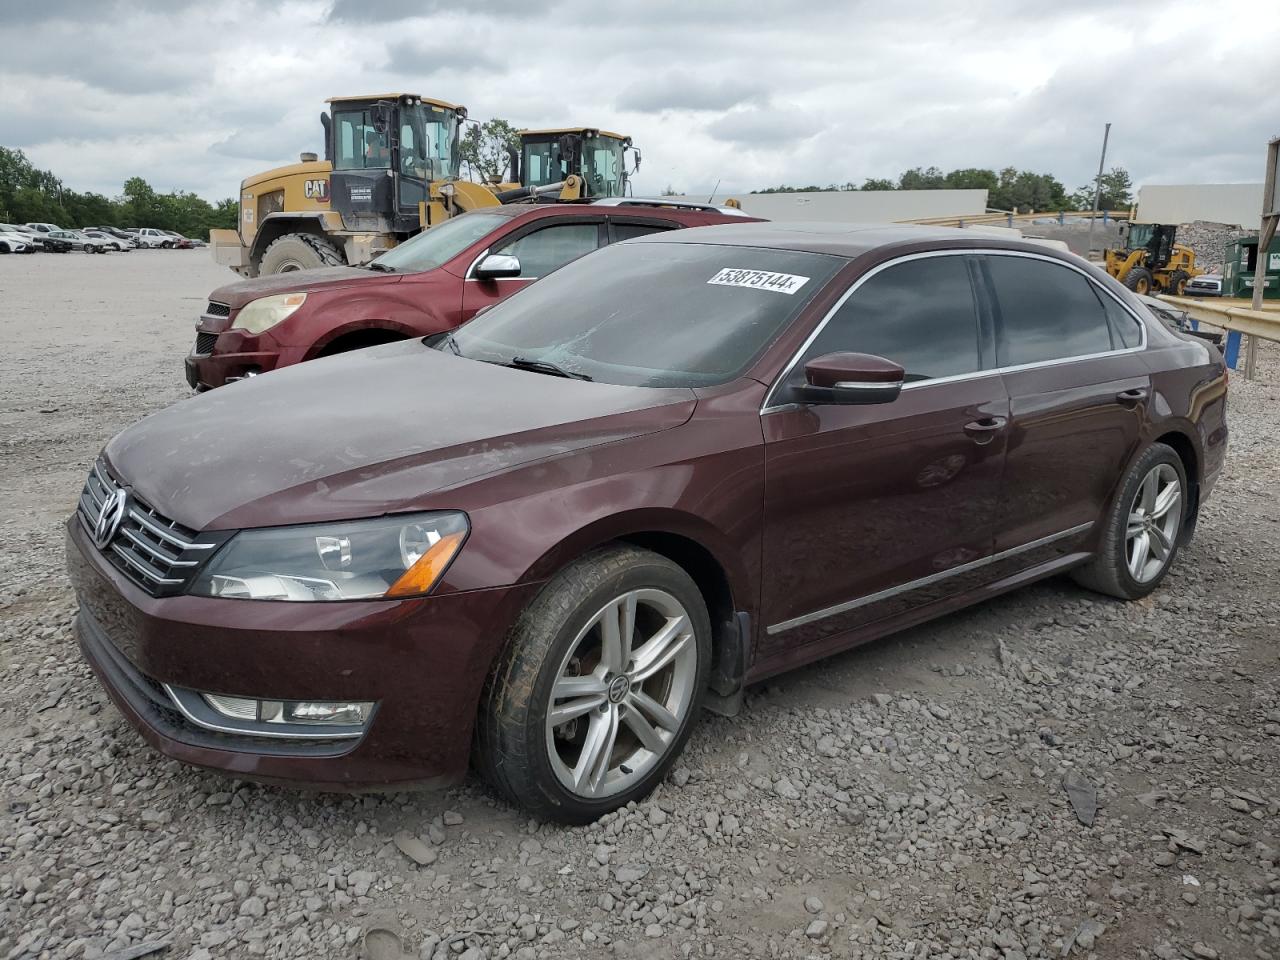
(904, 800)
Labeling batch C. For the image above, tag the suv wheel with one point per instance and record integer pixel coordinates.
(599, 686)
(1140, 532)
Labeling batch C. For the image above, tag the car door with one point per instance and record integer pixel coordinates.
(871, 510)
(540, 249)
(1070, 357)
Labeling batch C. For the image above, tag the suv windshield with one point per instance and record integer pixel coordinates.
(651, 314)
(439, 244)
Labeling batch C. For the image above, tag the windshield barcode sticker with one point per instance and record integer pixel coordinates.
(787, 283)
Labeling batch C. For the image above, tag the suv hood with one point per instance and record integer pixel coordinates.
(237, 294)
(367, 433)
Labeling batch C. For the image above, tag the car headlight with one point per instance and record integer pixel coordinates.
(391, 557)
(264, 313)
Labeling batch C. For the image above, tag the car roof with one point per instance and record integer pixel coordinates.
(842, 239)
(532, 211)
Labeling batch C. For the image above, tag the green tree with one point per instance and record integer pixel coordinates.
(878, 183)
(971, 178)
(485, 149)
(1117, 192)
(918, 179)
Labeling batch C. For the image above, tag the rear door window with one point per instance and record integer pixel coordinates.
(1044, 311)
(626, 231)
(920, 314)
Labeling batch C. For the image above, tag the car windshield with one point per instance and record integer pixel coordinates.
(651, 313)
(439, 244)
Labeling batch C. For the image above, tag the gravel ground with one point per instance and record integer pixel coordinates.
(905, 800)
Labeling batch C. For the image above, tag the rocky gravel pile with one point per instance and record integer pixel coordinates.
(1051, 774)
(1209, 241)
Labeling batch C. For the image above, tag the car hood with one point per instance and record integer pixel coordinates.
(241, 292)
(366, 433)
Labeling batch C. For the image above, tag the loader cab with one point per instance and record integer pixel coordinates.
(597, 156)
(1156, 238)
(385, 152)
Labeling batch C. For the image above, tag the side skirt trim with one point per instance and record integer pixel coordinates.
(885, 594)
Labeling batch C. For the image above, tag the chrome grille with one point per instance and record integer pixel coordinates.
(216, 309)
(204, 343)
(158, 554)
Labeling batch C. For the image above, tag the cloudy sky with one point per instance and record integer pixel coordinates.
(195, 96)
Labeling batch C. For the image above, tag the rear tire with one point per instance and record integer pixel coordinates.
(1139, 280)
(1141, 530)
(298, 251)
(619, 646)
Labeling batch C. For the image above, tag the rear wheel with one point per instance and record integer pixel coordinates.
(1140, 533)
(1138, 280)
(298, 251)
(599, 686)
(90, 248)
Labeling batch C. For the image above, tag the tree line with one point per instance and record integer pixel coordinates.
(1022, 191)
(31, 195)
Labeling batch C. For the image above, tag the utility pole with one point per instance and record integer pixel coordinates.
(1266, 233)
(1097, 184)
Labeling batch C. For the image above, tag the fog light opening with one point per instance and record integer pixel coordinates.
(336, 713)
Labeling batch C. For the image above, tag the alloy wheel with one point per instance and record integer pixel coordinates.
(1154, 518)
(622, 693)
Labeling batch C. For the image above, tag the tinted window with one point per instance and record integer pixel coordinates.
(550, 248)
(1045, 312)
(1125, 330)
(652, 313)
(920, 314)
(439, 244)
(359, 143)
(625, 231)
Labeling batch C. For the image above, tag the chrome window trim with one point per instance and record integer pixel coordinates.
(768, 406)
(933, 578)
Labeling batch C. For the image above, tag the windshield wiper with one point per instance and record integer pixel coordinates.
(380, 267)
(544, 366)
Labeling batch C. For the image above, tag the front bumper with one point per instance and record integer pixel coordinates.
(422, 661)
(235, 355)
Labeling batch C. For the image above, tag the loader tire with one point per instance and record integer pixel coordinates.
(299, 251)
(1139, 280)
(1177, 286)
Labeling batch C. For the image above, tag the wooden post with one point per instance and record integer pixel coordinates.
(1266, 233)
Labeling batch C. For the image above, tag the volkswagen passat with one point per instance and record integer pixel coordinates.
(674, 467)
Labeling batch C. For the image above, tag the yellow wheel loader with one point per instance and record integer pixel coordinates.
(1152, 262)
(390, 170)
(596, 158)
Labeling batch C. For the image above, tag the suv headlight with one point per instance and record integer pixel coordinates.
(262, 314)
(391, 557)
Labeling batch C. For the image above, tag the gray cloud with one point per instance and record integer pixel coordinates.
(679, 90)
(414, 57)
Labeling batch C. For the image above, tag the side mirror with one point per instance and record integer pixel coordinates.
(851, 378)
(498, 266)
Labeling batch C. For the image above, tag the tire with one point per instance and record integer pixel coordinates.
(1113, 570)
(298, 251)
(559, 638)
(1177, 285)
(90, 248)
(1139, 280)
(166, 245)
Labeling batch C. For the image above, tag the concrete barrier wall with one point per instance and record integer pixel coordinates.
(1215, 202)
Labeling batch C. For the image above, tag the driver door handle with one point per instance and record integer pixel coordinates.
(985, 430)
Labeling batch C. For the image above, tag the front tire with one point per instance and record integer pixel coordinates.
(599, 686)
(298, 251)
(1139, 281)
(1140, 532)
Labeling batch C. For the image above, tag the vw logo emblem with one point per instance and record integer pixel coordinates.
(619, 688)
(110, 515)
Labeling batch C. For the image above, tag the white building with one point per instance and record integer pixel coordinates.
(1234, 203)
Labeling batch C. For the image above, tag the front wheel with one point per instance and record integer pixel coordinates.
(1140, 533)
(599, 686)
(1139, 281)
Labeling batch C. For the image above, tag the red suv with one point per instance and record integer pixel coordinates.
(433, 283)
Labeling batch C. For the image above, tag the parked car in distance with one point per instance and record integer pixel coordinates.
(1205, 285)
(179, 241)
(108, 241)
(155, 238)
(118, 234)
(11, 242)
(680, 465)
(35, 240)
(428, 284)
(42, 227)
(78, 240)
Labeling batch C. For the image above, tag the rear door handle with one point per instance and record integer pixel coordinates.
(985, 430)
(1131, 398)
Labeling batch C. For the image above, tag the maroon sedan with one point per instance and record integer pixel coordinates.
(544, 541)
(429, 284)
